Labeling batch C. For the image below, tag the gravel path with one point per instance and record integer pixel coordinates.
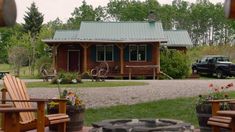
(155, 90)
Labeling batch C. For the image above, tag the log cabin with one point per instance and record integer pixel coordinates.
(128, 47)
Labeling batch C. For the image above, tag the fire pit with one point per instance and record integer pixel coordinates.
(141, 125)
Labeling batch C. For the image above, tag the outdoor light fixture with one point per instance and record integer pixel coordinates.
(229, 8)
(7, 13)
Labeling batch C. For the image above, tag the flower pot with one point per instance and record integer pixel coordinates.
(204, 112)
(76, 115)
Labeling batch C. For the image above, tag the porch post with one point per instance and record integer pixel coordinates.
(158, 58)
(85, 47)
(85, 59)
(122, 60)
(54, 55)
(121, 47)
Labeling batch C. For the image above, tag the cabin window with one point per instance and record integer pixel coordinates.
(137, 52)
(104, 52)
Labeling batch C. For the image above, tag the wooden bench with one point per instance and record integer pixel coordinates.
(140, 67)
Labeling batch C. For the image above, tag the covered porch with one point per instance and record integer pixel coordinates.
(123, 59)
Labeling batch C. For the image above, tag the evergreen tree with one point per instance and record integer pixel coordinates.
(33, 24)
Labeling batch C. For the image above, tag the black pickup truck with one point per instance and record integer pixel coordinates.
(217, 65)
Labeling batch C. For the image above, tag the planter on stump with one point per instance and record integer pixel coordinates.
(204, 112)
(76, 115)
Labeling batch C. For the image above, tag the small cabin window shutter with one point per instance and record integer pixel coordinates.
(149, 52)
(127, 53)
(116, 53)
(93, 53)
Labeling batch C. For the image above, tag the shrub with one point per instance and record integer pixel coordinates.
(67, 78)
(86, 75)
(175, 63)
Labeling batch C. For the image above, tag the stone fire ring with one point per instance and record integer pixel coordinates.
(141, 125)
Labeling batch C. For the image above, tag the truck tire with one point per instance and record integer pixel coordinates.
(220, 74)
(194, 70)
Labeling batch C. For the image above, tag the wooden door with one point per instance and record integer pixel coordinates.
(74, 61)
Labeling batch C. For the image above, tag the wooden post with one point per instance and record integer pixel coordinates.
(130, 70)
(158, 58)
(62, 109)
(121, 47)
(215, 108)
(41, 116)
(122, 60)
(85, 59)
(12, 122)
(229, 8)
(54, 56)
(7, 12)
(85, 47)
(154, 73)
(4, 92)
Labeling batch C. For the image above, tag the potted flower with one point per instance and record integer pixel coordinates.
(75, 109)
(204, 107)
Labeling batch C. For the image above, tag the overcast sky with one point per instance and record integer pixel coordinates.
(63, 8)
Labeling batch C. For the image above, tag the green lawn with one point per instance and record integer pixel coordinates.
(180, 108)
(86, 84)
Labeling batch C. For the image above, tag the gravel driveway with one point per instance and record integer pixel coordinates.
(155, 90)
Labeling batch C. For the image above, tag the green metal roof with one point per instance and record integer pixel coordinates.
(178, 38)
(112, 32)
(123, 32)
(66, 34)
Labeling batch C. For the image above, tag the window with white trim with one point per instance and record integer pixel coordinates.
(104, 52)
(137, 52)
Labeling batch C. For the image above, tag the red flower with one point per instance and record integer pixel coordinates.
(210, 85)
(229, 85)
(216, 90)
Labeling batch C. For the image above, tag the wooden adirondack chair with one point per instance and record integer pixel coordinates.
(222, 119)
(27, 120)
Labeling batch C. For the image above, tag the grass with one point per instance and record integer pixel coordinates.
(180, 108)
(24, 71)
(5, 67)
(86, 84)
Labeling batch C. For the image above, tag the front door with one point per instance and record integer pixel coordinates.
(74, 61)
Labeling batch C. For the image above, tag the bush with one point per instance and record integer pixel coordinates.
(86, 75)
(67, 78)
(175, 63)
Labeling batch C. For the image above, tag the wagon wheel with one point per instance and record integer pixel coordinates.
(104, 69)
(45, 66)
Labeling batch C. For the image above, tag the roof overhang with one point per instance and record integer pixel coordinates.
(51, 41)
(178, 45)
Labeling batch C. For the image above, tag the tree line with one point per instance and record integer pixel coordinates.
(204, 21)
